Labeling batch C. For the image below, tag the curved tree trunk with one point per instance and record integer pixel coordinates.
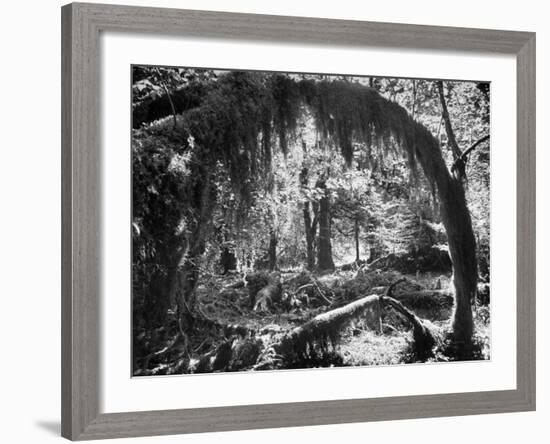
(422, 147)
(462, 247)
(458, 225)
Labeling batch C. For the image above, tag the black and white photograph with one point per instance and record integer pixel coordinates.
(274, 222)
(285, 221)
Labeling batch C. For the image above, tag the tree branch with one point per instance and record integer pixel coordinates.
(464, 156)
(169, 97)
(448, 126)
(475, 145)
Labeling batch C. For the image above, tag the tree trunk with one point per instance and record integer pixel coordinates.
(161, 290)
(310, 225)
(228, 260)
(310, 238)
(459, 165)
(324, 252)
(272, 250)
(462, 246)
(373, 255)
(310, 229)
(447, 120)
(188, 276)
(157, 302)
(189, 266)
(356, 233)
(458, 226)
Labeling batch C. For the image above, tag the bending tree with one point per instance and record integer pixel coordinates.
(233, 129)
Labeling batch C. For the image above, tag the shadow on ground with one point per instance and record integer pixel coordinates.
(53, 427)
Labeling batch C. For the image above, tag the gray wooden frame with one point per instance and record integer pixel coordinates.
(81, 167)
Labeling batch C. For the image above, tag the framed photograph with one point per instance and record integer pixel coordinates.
(278, 221)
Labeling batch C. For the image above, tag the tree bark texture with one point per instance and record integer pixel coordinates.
(272, 250)
(322, 329)
(356, 237)
(310, 222)
(453, 144)
(324, 252)
(228, 260)
(189, 267)
(458, 226)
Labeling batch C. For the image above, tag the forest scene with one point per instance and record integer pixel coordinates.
(291, 221)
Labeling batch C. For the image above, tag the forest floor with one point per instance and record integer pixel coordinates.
(239, 323)
(373, 340)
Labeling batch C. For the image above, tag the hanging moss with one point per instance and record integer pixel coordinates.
(236, 118)
(286, 103)
(350, 113)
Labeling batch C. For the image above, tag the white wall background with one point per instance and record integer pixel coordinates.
(30, 221)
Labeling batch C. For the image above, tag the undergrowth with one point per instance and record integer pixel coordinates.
(367, 341)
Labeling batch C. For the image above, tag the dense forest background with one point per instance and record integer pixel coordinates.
(300, 220)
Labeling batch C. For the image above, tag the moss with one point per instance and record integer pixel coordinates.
(234, 121)
(321, 335)
(232, 127)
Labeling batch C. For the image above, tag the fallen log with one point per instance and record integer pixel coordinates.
(310, 342)
(424, 332)
(315, 336)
